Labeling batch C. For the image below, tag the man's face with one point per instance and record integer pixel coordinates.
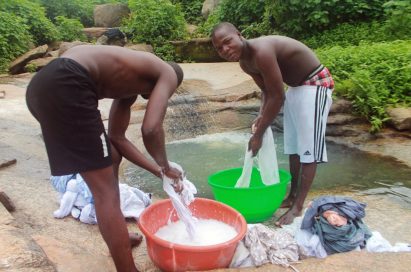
(228, 44)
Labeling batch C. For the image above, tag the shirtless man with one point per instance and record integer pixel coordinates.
(63, 97)
(272, 61)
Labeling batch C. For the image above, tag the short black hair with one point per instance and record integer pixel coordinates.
(178, 70)
(223, 25)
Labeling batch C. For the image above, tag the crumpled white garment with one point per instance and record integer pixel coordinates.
(182, 200)
(377, 243)
(267, 163)
(265, 245)
(76, 198)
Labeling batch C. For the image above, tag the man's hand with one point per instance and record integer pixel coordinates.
(255, 144)
(176, 176)
(255, 124)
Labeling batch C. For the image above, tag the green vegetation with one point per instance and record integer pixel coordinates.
(33, 15)
(155, 22)
(69, 29)
(14, 38)
(373, 76)
(366, 44)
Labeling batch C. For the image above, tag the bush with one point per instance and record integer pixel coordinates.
(14, 38)
(398, 23)
(303, 18)
(155, 22)
(348, 34)
(33, 15)
(212, 20)
(191, 10)
(70, 29)
(242, 13)
(373, 76)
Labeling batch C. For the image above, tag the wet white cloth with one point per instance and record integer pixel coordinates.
(377, 243)
(267, 163)
(182, 200)
(263, 245)
(76, 199)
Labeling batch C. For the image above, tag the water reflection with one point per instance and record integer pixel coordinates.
(347, 169)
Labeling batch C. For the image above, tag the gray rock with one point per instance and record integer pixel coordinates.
(208, 7)
(400, 118)
(110, 15)
(17, 66)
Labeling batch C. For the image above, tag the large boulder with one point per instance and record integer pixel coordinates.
(110, 15)
(37, 64)
(208, 7)
(400, 118)
(67, 45)
(199, 50)
(17, 66)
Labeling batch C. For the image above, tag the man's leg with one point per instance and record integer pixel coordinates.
(295, 168)
(307, 176)
(116, 157)
(111, 222)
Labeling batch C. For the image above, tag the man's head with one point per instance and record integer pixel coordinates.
(178, 70)
(227, 40)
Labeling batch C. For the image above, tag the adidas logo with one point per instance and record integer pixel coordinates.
(307, 153)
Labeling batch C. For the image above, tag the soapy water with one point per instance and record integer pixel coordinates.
(208, 232)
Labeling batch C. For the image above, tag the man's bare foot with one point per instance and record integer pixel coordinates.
(288, 217)
(287, 203)
(135, 239)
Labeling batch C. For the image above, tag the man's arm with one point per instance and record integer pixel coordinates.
(272, 81)
(119, 120)
(152, 128)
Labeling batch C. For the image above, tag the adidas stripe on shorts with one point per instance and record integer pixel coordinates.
(305, 118)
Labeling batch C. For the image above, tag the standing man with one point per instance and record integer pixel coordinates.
(63, 97)
(272, 61)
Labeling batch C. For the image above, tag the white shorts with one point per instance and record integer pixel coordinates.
(305, 118)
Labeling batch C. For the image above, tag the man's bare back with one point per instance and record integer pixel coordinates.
(295, 60)
(114, 69)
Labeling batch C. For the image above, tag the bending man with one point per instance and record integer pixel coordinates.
(63, 97)
(272, 61)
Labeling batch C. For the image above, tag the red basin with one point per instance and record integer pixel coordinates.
(175, 257)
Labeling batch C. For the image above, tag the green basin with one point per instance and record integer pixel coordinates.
(256, 203)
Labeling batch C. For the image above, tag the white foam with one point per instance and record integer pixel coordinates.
(208, 232)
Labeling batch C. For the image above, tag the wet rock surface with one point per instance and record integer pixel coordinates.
(32, 240)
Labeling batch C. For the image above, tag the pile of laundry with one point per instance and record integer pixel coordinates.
(75, 198)
(330, 224)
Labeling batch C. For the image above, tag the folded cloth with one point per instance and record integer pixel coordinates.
(344, 206)
(182, 200)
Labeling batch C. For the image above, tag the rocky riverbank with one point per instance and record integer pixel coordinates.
(32, 240)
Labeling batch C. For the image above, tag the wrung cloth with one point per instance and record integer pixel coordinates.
(182, 200)
(267, 163)
(263, 245)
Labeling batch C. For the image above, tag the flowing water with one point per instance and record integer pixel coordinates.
(347, 169)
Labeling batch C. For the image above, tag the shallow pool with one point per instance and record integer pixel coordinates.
(347, 169)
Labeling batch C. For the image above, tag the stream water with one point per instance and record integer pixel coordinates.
(347, 169)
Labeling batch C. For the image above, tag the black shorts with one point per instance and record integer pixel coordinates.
(63, 98)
